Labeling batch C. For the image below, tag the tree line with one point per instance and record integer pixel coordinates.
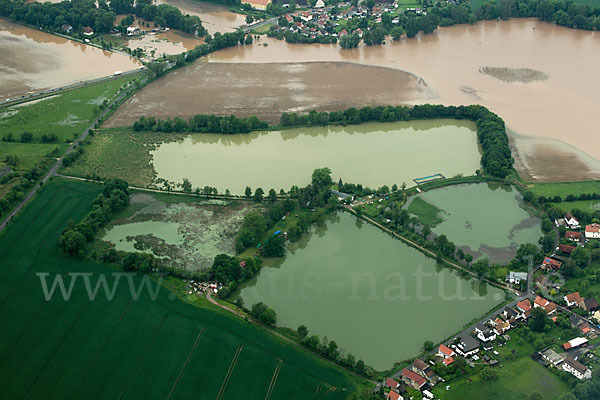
(114, 196)
(201, 123)
(100, 16)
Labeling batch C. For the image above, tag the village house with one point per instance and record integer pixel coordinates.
(592, 231)
(573, 236)
(551, 264)
(394, 396)
(577, 369)
(573, 299)
(573, 343)
(516, 277)
(87, 31)
(257, 4)
(412, 379)
(421, 368)
(484, 333)
(565, 248)
(549, 306)
(571, 221)
(552, 357)
(466, 346)
(501, 326)
(445, 352)
(590, 304)
(319, 4)
(524, 308)
(391, 383)
(579, 323)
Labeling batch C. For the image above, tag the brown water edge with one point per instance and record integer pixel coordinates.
(32, 60)
(562, 107)
(215, 17)
(267, 90)
(547, 160)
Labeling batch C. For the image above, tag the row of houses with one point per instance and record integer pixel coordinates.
(418, 376)
(591, 231)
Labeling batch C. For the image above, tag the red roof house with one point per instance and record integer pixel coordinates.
(573, 236)
(445, 351)
(551, 264)
(573, 299)
(389, 382)
(565, 248)
(412, 379)
(524, 305)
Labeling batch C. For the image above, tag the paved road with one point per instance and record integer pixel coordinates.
(259, 24)
(62, 89)
(58, 163)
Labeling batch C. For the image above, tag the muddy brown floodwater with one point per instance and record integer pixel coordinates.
(557, 119)
(267, 90)
(215, 17)
(32, 60)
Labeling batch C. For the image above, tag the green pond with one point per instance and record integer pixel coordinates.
(376, 297)
(485, 219)
(167, 231)
(373, 154)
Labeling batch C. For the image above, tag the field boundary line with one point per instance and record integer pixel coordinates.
(331, 389)
(273, 381)
(186, 362)
(56, 348)
(142, 357)
(229, 372)
(102, 348)
(22, 332)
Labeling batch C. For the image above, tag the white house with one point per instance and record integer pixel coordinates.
(592, 231)
(516, 277)
(484, 333)
(445, 352)
(467, 346)
(573, 299)
(571, 221)
(319, 4)
(577, 369)
(573, 343)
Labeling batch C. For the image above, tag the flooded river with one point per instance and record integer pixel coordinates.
(32, 60)
(376, 297)
(373, 154)
(542, 79)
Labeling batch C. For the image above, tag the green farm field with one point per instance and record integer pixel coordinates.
(564, 189)
(64, 115)
(144, 349)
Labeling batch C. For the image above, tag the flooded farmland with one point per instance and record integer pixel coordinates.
(362, 288)
(267, 90)
(484, 219)
(33, 60)
(214, 17)
(373, 154)
(557, 112)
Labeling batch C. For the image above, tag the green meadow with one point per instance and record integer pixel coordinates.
(64, 115)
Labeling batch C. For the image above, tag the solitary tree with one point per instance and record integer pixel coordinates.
(248, 191)
(258, 195)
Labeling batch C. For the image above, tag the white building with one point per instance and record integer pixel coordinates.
(571, 221)
(576, 369)
(592, 231)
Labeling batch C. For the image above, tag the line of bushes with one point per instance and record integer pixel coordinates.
(74, 238)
